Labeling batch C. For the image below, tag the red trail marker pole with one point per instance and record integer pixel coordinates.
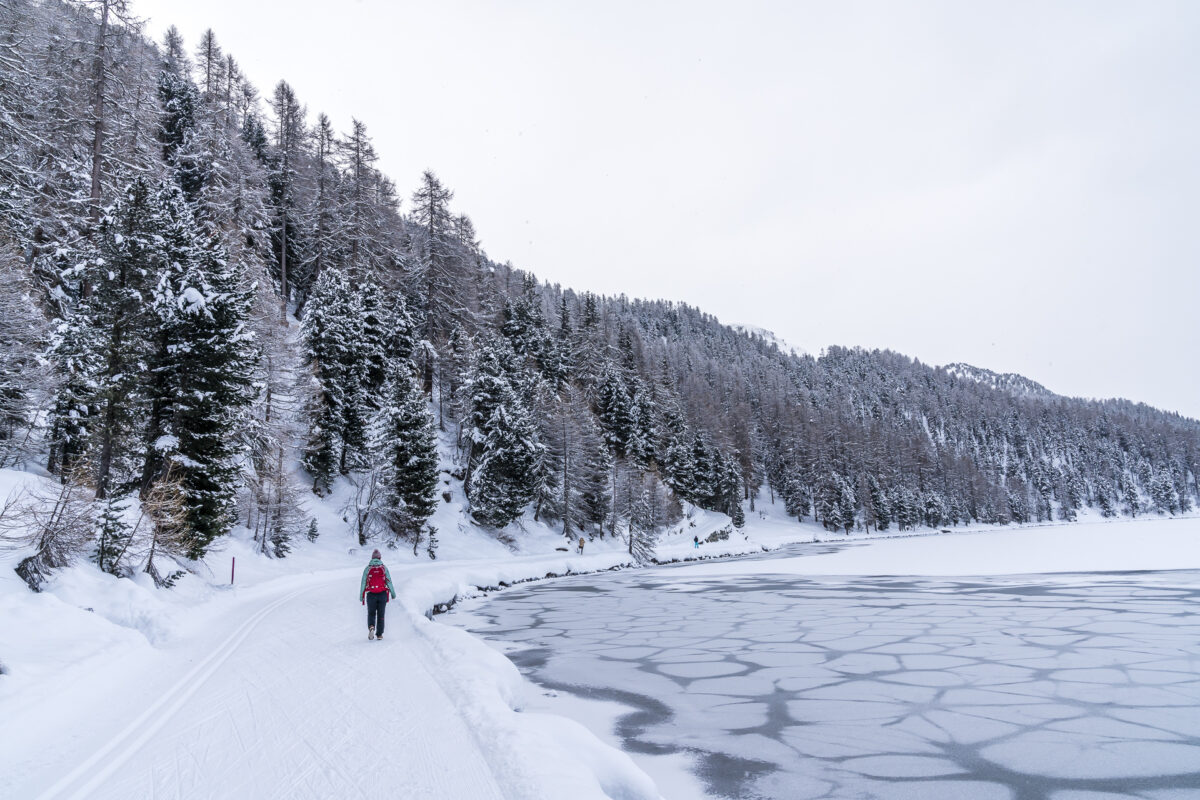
(232, 568)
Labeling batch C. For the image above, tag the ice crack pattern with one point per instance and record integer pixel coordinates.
(1021, 688)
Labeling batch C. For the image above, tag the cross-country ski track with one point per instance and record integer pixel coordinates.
(290, 701)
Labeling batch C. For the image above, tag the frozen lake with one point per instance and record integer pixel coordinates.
(1055, 687)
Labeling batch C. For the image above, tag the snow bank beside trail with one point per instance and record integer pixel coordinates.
(1153, 543)
(88, 628)
(533, 756)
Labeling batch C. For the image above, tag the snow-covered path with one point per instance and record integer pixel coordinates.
(290, 700)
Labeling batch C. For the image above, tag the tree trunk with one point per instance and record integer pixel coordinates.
(613, 529)
(283, 292)
(566, 478)
(99, 78)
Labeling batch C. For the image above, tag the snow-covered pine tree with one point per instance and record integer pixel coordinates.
(881, 508)
(797, 496)
(75, 368)
(591, 466)
(1162, 493)
(410, 454)
(486, 387)
(524, 326)
(643, 527)
(555, 437)
(453, 371)
(558, 358)
(201, 367)
(374, 341)
(327, 339)
(826, 507)
(503, 482)
(100, 350)
(613, 412)
(935, 513)
(180, 100)
(731, 492)
(705, 487)
(112, 534)
(23, 337)
(643, 428)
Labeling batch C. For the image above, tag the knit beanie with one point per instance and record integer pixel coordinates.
(376, 554)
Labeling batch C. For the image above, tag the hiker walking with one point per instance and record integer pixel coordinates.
(696, 542)
(373, 592)
(580, 545)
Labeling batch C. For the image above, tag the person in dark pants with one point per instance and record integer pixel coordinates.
(373, 592)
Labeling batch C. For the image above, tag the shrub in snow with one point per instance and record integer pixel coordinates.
(720, 535)
(57, 522)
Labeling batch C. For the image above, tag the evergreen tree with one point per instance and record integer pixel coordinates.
(525, 327)
(200, 368)
(1162, 493)
(1018, 507)
(373, 344)
(23, 337)
(486, 387)
(101, 349)
(642, 429)
(591, 465)
(503, 482)
(614, 413)
(411, 471)
(797, 498)
(76, 364)
(643, 527)
(112, 534)
(327, 332)
(880, 505)
(177, 130)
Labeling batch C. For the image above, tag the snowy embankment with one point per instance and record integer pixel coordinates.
(110, 684)
(269, 688)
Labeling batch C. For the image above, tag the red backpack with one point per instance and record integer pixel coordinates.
(376, 579)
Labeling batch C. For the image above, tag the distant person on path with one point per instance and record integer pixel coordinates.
(580, 545)
(696, 542)
(373, 592)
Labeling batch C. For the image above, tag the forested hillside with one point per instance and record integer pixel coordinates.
(164, 226)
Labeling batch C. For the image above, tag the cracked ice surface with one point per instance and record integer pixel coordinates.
(1029, 688)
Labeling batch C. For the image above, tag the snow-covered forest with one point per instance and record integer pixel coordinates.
(203, 284)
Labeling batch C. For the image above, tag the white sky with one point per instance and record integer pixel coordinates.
(1015, 185)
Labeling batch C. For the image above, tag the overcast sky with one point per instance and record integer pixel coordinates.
(1014, 185)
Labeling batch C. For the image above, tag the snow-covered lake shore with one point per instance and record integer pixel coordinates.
(800, 675)
(268, 687)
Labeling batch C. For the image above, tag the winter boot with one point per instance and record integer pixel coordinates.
(370, 632)
(380, 637)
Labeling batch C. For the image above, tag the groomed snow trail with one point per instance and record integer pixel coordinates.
(294, 703)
